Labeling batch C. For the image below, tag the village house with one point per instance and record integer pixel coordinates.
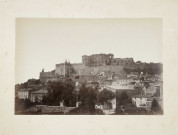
(139, 101)
(92, 84)
(37, 96)
(24, 93)
(119, 86)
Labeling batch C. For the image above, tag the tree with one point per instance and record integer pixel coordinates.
(22, 104)
(18, 104)
(124, 99)
(147, 84)
(155, 107)
(106, 96)
(88, 97)
(60, 92)
(157, 93)
(138, 87)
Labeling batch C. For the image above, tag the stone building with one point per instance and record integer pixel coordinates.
(139, 100)
(97, 59)
(24, 93)
(105, 59)
(63, 69)
(122, 61)
(91, 65)
(37, 96)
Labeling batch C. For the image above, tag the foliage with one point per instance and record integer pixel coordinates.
(22, 104)
(123, 99)
(157, 93)
(82, 110)
(131, 110)
(60, 92)
(106, 96)
(147, 85)
(155, 107)
(152, 68)
(138, 87)
(26, 84)
(88, 97)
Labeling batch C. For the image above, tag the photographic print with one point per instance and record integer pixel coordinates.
(88, 66)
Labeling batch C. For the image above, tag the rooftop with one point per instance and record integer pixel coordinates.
(41, 91)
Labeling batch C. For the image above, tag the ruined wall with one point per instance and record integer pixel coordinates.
(122, 61)
(105, 59)
(59, 69)
(84, 70)
(63, 69)
(97, 59)
(48, 76)
(78, 68)
(91, 65)
(81, 69)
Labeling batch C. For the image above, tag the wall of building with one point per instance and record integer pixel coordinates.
(63, 69)
(122, 61)
(55, 109)
(48, 76)
(37, 96)
(105, 59)
(79, 69)
(23, 94)
(97, 59)
(91, 65)
(99, 69)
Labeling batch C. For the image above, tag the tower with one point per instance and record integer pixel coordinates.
(66, 68)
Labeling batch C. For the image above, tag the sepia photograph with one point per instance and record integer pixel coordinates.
(83, 66)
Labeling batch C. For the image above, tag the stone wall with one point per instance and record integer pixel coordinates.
(79, 70)
(91, 65)
(84, 70)
(105, 59)
(97, 59)
(53, 109)
(63, 69)
(48, 76)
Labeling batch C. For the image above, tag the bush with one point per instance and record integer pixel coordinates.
(155, 107)
(84, 111)
(60, 92)
(22, 104)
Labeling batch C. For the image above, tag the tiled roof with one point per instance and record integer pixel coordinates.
(140, 96)
(26, 89)
(119, 87)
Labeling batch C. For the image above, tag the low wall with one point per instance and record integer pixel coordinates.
(53, 109)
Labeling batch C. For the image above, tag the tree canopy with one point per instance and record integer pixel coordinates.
(60, 92)
(155, 107)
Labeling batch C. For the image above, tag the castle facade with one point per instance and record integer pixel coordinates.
(104, 59)
(93, 64)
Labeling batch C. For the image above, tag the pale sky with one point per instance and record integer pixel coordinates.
(42, 43)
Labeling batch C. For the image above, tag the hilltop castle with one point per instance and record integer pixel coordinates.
(93, 64)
